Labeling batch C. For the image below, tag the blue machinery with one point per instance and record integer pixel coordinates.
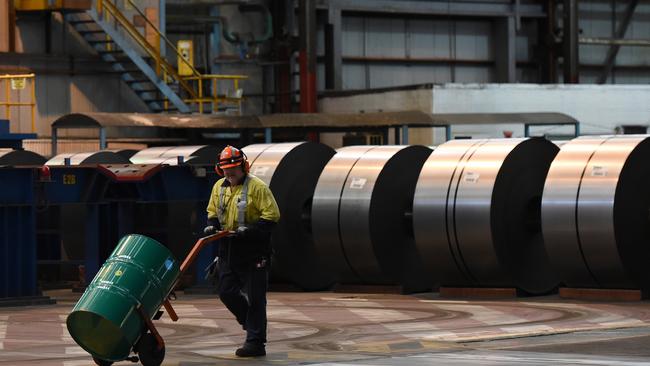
(87, 209)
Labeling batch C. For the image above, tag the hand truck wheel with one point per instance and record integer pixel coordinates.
(147, 349)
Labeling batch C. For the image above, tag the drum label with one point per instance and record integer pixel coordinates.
(358, 183)
(598, 171)
(169, 263)
(471, 177)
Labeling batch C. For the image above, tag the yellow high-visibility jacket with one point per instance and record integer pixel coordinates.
(260, 203)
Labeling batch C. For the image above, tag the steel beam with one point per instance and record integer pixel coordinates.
(12, 27)
(440, 7)
(615, 41)
(620, 33)
(333, 58)
(162, 25)
(504, 49)
(570, 42)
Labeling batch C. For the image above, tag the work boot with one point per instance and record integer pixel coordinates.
(251, 350)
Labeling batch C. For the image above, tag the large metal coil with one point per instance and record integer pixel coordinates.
(10, 157)
(291, 170)
(595, 212)
(476, 214)
(361, 215)
(125, 153)
(194, 155)
(97, 157)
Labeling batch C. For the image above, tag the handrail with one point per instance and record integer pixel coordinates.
(167, 41)
(142, 41)
(194, 83)
(8, 104)
(215, 98)
(215, 76)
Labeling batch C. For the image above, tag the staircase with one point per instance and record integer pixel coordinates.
(142, 66)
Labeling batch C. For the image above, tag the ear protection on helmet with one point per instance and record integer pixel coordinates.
(244, 163)
(246, 166)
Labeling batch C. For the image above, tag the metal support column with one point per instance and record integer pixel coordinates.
(54, 141)
(307, 56)
(215, 40)
(162, 25)
(268, 137)
(547, 39)
(614, 48)
(283, 25)
(504, 49)
(405, 134)
(102, 138)
(571, 47)
(333, 58)
(12, 27)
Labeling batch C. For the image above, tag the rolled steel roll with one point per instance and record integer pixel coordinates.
(325, 212)
(20, 157)
(361, 215)
(97, 157)
(194, 155)
(144, 156)
(291, 170)
(595, 212)
(125, 153)
(476, 214)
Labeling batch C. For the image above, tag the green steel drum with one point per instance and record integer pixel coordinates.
(105, 321)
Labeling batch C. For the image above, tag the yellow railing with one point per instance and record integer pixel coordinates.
(192, 84)
(163, 68)
(215, 99)
(17, 82)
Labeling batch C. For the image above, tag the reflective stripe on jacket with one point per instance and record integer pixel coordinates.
(260, 203)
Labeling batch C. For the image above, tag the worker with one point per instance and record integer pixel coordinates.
(243, 204)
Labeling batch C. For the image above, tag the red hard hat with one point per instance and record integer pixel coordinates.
(231, 157)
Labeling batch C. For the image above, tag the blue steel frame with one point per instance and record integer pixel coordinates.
(17, 234)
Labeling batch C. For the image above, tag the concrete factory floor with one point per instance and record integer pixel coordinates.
(361, 329)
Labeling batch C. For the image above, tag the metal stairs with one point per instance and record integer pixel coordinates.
(117, 48)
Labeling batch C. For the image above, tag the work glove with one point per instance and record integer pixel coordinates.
(260, 231)
(242, 232)
(210, 229)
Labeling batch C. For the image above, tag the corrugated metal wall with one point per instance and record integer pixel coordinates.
(378, 51)
(467, 41)
(596, 21)
(382, 42)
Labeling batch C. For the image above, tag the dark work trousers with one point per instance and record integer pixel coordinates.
(250, 310)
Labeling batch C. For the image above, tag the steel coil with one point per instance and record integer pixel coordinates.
(194, 155)
(97, 157)
(476, 214)
(361, 215)
(291, 170)
(595, 212)
(20, 157)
